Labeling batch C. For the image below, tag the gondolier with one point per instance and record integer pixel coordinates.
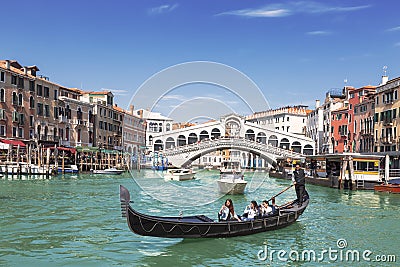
(299, 181)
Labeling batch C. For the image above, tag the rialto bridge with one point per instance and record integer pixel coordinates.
(258, 145)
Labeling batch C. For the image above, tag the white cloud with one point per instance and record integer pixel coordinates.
(393, 29)
(174, 97)
(397, 44)
(291, 8)
(319, 33)
(116, 91)
(262, 12)
(162, 9)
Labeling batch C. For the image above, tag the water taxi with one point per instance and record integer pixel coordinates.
(179, 174)
(231, 178)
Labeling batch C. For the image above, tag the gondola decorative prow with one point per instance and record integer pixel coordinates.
(124, 198)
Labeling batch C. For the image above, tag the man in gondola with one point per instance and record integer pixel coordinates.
(299, 181)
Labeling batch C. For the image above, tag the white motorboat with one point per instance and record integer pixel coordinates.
(112, 171)
(179, 174)
(231, 178)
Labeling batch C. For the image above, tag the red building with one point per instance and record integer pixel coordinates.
(340, 130)
(363, 116)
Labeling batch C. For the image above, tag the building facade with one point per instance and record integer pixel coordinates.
(291, 119)
(386, 118)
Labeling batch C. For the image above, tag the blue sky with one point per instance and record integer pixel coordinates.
(293, 50)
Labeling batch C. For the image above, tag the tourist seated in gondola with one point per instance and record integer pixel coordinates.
(266, 209)
(251, 212)
(227, 212)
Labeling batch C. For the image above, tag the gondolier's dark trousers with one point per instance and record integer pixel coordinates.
(300, 189)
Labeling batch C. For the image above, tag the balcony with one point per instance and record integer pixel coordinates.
(62, 119)
(65, 143)
(79, 122)
(388, 102)
(118, 133)
(388, 140)
(387, 122)
(49, 138)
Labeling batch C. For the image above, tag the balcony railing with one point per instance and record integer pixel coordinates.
(79, 122)
(65, 143)
(50, 138)
(62, 119)
(388, 122)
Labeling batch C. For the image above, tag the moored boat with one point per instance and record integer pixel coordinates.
(231, 178)
(179, 174)
(112, 171)
(202, 226)
(69, 169)
(392, 186)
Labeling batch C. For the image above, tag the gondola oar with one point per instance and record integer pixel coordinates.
(281, 192)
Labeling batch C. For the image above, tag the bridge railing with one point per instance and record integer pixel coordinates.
(230, 141)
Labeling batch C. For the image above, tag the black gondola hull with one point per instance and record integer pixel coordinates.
(202, 226)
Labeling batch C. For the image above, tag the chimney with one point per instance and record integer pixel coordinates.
(317, 103)
(131, 108)
(8, 64)
(384, 79)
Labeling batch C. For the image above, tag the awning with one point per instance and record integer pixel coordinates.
(87, 149)
(13, 142)
(60, 148)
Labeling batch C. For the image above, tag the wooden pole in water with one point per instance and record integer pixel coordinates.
(387, 168)
(56, 157)
(48, 161)
(91, 160)
(39, 156)
(63, 162)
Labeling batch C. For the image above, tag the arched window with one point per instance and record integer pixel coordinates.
(273, 140)
(79, 114)
(215, 133)
(14, 98)
(284, 143)
(20, 99)
(204, 135)
(168, 127)
(296, 147)
(2, 94)
(192, 138)
(170, 143)
(31, 102)
(250, 135)
(181, 140)
(262, 138)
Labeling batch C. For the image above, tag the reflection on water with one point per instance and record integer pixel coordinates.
(75, 221)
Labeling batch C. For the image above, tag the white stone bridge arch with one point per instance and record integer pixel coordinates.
(243, 135)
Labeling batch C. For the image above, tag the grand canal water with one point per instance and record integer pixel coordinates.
(74, 220)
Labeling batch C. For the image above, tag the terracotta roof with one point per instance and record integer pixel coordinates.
(340, 109)
(98, 92)
(77, 90)
(22, 73)
(119, 109)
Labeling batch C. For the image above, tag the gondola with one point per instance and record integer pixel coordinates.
(203, 226)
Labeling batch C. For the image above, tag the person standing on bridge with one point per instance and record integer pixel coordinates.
(299, 181)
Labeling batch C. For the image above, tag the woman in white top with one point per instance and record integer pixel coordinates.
(265, 208)
(252, 210)
(227, 212)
